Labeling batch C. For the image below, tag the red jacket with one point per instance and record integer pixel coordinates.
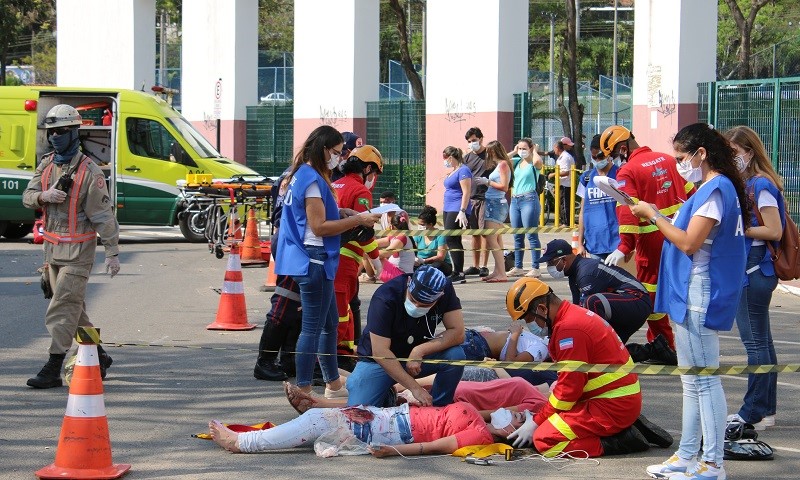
(351, 193)
(651, 177)
(579, 337)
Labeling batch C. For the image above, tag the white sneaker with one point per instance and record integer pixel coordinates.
(341, 393)
(674, 465)
(701, 471)
(534, 273)
(515, 272)
(734, 418)
(768, 421)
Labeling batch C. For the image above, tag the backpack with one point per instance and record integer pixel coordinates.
(786, 257)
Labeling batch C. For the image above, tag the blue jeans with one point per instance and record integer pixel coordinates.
(524, 212)
(475, 346)
(704, 407)
(369, 382)
(752, 319)
(496, 210)
(320, 319)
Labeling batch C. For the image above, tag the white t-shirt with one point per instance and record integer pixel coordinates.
(309, 238)
(565, 163)
(765, 199)
(712, 208)
(530, 343)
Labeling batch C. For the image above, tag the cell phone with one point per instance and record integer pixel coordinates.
(64, 182)
(479, 461)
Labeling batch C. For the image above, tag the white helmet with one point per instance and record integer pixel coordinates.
(62, 116)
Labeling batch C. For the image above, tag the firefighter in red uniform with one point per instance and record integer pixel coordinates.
(595, 412)
(650, 177)
(353, 190)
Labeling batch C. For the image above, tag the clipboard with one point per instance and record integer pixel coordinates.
(610, 187)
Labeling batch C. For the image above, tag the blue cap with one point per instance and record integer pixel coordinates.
(427, 284)
(554, 249)
(351, 141)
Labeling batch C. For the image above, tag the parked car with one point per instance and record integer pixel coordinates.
(276, 98)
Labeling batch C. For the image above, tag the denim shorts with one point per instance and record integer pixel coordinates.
(496, 210)
(475, 346)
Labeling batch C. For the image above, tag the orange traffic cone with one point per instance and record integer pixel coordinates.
(84, 448)
(251, 248)
(272, 279)
(574, 241)
(232, 311)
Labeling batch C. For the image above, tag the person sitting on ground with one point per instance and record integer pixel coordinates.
(397, 251)
(401, 323)
(432, 250)
(369, 275)
(595, 412)
(404, 430)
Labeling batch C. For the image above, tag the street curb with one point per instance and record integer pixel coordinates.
(783, 288)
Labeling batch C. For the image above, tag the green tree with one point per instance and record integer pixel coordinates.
(399, 10)
(276, 25)
(19, 17)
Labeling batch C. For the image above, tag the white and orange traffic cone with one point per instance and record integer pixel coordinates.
(251, 247)
(272, 278)
(574, 241)
(232, 311)
(84, 447)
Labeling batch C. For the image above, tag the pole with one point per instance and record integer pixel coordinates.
(424, 46)
(614, 72)
(552, 62)
(774, 61)
(162, 60)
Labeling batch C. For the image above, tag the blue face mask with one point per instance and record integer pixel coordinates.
(65, 145)
(601, 164)
(537, 330)
(415, 311)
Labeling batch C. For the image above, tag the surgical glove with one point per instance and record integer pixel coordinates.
(377, 265)
(461, 219)
(112, 265)
(53, 195)
(482, 181)
(614, 257)
(523, 436)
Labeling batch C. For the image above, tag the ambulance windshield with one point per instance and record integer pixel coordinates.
(200, 145)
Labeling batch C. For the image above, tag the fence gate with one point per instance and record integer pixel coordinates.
(771, 107)
(397, 129)
(270, 137)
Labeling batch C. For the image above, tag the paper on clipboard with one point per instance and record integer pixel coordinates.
(386, 207)
(610, 187)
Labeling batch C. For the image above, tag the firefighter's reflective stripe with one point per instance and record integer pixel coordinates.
(565, 430)
(74, 195)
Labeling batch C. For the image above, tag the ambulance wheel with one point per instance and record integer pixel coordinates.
(193, 226)
(15, 231)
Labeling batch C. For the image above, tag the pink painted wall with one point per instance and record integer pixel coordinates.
(668, 121)
(233, 138)
(442, 130)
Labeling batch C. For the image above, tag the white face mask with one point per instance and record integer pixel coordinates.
(523, 154)
(688, 172)
(601, 164)
(475, 146)
(554, 271)
(741, 163)
(501, 418)
(537, 330)
(447, 163)
(415, 311)
(370, 182)
(333, 162)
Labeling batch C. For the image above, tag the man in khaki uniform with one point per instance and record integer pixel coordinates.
(71, 190)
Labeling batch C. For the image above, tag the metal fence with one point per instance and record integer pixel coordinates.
(269, 138)
(771, 107)
(397, 129)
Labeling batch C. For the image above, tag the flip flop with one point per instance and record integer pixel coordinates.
(496, 280)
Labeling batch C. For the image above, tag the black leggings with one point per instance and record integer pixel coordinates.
(454, 243)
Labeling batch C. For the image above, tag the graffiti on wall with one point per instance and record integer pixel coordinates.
(457, 111)
(666, 103)
(332, 115)
(209, 122)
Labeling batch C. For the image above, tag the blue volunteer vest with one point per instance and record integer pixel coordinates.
(294, 258)
(726, 267)
(755, 185)
(600, 226)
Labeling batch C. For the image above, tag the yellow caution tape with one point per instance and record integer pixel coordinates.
(473, 231)
(88, 335)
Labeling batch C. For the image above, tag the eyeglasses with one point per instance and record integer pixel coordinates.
(58, 130)
(334, 152)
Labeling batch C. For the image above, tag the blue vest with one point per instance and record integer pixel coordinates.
(600, 225)
(294, 258)
(755, 185)
(727, 263)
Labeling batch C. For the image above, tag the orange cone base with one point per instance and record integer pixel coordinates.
(54, 471)
(230, 326)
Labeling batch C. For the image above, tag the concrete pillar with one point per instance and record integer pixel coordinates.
(106, 43)
(336, 67)
(477, 59)
(220, 69)
(675, 48)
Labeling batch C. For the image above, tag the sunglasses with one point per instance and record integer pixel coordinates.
(58, 130)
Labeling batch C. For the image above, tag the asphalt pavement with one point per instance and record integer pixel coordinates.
(171, 376)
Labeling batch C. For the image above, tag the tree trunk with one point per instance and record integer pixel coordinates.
(3, 58)
(417, 91)
(575, 108)
(745, 28)
(563, 113)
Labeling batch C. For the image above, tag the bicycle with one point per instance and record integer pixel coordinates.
(549, 205)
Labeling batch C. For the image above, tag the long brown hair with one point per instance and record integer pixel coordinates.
(496, 152)
(313, 151)
(760, 164)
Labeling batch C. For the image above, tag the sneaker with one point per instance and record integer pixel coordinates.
(484, 272)
(457, 278)
(365, 278)
(534, 273)
(701, 471)
(674, 465)
(269, 371)
(472, 271)
(734, 418)
(341, 393)
(768, 421)
(515, 272)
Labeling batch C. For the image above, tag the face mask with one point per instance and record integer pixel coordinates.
(555, 272)
(65, 145)
(523, 154)
(537, 330)
(415, 311)
(447, 164)
(618, 160)
(741, 163)
(333, 162)
(370, 182)
(601, 164)
(501, 418)
(688, 172)
(475, 146)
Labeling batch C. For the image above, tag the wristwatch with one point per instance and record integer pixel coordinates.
(655, 217)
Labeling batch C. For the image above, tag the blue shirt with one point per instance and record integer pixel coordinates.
(600, 225)
(755, 185)
(588, 276)
(452, 189)
(294, 258)
(525, 177)
(428, 250)
(387, 317)
(726, 266)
